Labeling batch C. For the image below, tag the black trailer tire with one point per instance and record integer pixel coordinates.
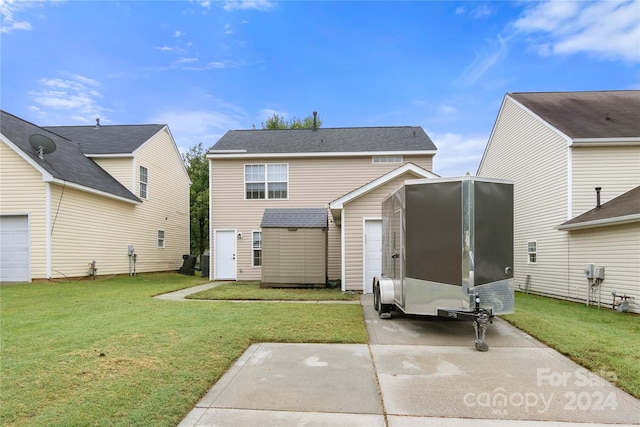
(376, 297)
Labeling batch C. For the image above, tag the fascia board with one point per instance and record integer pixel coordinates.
(227, 155)
(92, 191)
(600, 222)
(409, 167)
(107, 156)
(605, 142)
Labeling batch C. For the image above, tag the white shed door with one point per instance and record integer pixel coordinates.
(372, 252)
(225, 254)
(14, 248)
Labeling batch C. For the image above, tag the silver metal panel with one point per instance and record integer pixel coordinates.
(497, 296)
(425, 297)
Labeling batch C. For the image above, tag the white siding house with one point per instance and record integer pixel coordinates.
(86, 201)
(557, 148)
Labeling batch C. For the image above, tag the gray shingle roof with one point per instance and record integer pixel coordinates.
(584, 114)
(295, 218)
(111, 139)
(326, 140)
(624, 205)
(67, 162)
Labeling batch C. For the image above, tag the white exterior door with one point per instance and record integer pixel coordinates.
(14, 248)
(372, 252)
(225, 254)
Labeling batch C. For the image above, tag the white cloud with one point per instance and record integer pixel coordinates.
(9, 9)
(179, 34)
(248, 4)
(457, 154)
(484, 60)
(606, 29)
(72, 92)
(481, 11)
(207, 126)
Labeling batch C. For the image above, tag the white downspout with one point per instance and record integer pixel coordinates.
(48, 228)
(343, 273)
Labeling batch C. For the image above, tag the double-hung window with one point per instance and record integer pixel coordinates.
(267, 181)
(161, 239)
(257, 248)
(532, 252)
(144, 180)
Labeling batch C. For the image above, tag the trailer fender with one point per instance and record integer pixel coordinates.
(386, 290)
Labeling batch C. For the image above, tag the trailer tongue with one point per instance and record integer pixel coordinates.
(448, 251)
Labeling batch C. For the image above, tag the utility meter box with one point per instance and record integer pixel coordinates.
(598, 273)
(588, 270)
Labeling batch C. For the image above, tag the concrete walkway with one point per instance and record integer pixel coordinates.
(181, 295)
(415, 371)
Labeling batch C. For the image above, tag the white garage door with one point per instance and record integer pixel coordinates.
(14, 248)
(372, 252)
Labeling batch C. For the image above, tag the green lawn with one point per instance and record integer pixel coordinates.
(602, 340)
(105, 353)
(252, 291)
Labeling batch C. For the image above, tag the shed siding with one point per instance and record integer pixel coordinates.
(592, 167)
(24, 192)
(536, 158)
(367, 206)
(313, 182)
(119, 168)
(297, 257)
(621, 273)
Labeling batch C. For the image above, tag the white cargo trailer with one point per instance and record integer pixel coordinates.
(448, 251)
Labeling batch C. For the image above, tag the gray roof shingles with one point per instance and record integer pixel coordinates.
(326, 140)
(624, 205)
(110, 139)
(605, 114)
(67, 162)
(295, 218)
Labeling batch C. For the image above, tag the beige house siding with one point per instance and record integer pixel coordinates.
(88, 227)
(525, 150)
(592, 167)
(24, 193)
(121, 168)
(621, 273)
(84, 226)
(313, 182)
(368, 206)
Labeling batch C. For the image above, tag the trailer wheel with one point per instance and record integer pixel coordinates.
(376, 297)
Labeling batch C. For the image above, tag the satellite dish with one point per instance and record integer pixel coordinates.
(42, 144)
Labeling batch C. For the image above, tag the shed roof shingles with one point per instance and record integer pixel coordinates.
(295, 218)
(326, 140)
(605, 114)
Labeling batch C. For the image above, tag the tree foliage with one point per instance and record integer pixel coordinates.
(198, 169)
(279, 122)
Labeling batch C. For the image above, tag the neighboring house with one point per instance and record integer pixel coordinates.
(103, 189)
(346, 171)
(558, 148)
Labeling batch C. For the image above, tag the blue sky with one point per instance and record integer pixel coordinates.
(205, 67)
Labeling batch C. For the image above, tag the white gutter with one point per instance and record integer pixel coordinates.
(600, 222)
(244, 155)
